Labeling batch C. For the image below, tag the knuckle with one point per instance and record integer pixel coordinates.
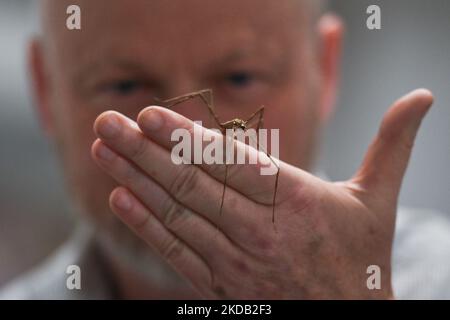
(130, 174)
(232, 171)
(174, 214)
(220, 170)
(407, 144)
(139, 148)
(217, 170)
(172, 250)
(140, 225)
(184, 183)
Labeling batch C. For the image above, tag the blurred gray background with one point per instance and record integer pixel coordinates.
(412, 50)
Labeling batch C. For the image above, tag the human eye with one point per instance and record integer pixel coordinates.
(240, 79)
(123, 87)
(126, 92)
(242, 85)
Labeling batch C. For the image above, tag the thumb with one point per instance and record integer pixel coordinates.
(386, 160)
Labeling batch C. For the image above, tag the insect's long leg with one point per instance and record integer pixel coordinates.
(261, 111)
(260, 115)
(180, 99)
(207, 97)
(226, 169)
(224, 188)
(276, 178)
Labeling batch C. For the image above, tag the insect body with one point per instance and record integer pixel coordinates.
(235, 124)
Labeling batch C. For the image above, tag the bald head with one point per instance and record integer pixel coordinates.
(49, 9)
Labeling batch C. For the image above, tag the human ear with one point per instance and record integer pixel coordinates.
(40, 84)
(330, 32)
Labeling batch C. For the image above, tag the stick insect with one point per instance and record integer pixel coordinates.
(206, 96)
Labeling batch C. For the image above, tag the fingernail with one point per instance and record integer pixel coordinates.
(153, 120)
(109, 127)
(105, 153)
(123, 202)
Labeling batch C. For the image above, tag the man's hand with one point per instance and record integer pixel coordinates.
(326, 235)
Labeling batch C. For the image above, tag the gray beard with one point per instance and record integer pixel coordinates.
(118, 242)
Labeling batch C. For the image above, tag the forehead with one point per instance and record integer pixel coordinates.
(182, 22)
(198, 31)
(192, 12)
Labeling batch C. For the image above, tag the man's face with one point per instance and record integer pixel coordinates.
(251, 53)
